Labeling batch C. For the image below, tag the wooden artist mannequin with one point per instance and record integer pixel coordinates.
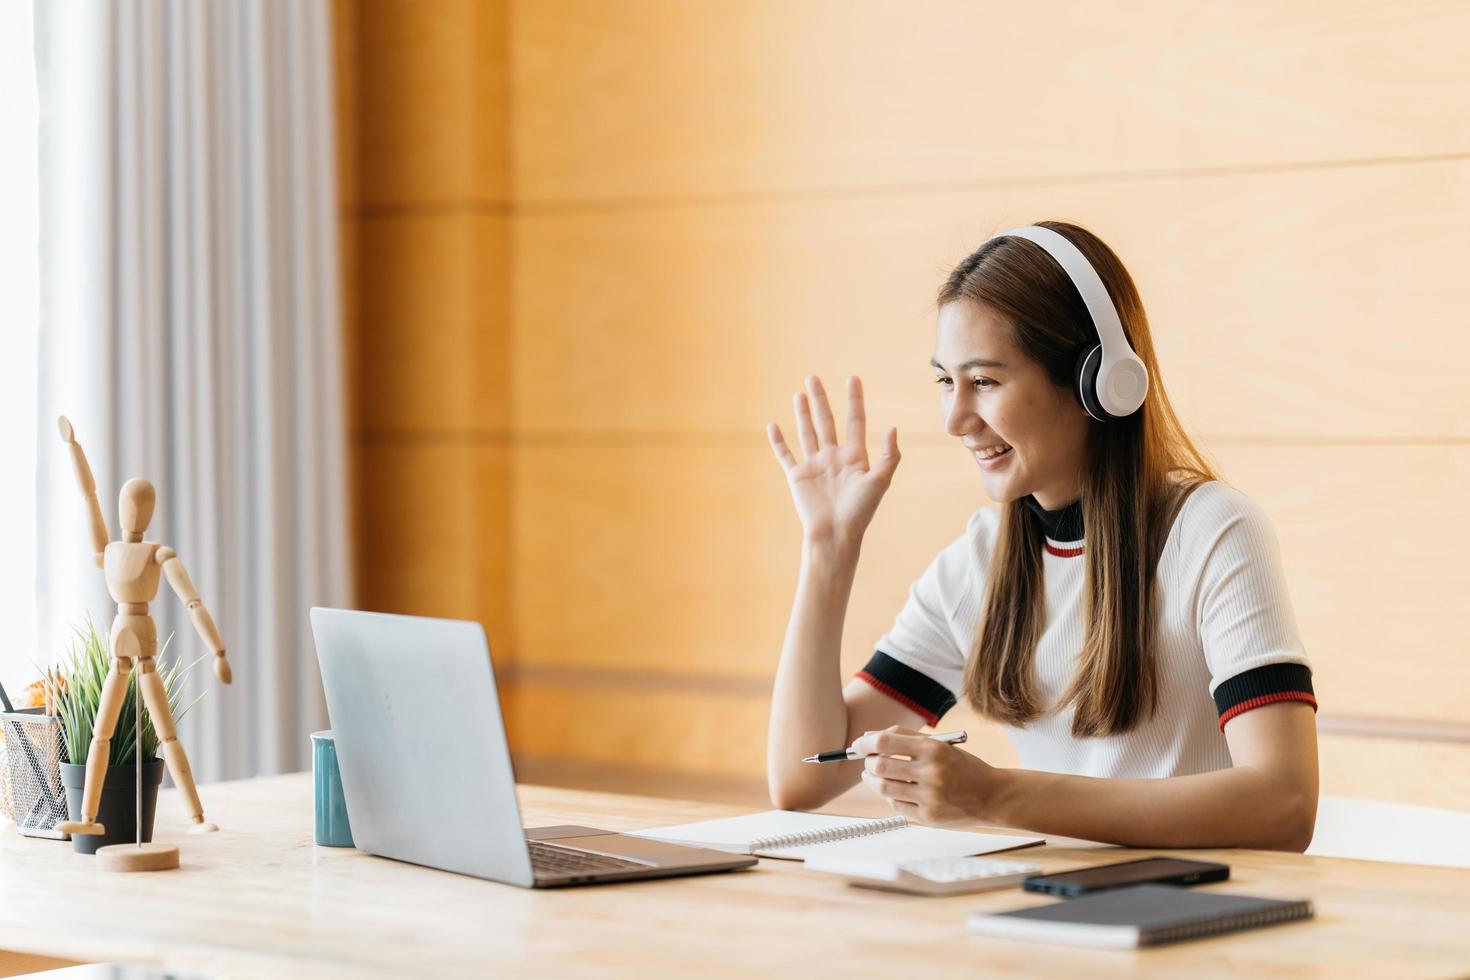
(132, 567)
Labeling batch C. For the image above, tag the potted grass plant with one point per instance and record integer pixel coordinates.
(84, 667)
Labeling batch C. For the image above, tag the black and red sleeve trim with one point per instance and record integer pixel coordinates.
(908, 687)
(1261, 686)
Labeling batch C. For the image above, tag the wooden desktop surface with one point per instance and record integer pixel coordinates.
(259, 899)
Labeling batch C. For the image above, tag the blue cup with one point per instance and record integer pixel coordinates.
(332, 828)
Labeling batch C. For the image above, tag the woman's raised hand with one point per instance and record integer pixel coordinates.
(835, 489)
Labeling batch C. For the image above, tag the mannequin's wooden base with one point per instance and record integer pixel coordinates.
(137, 857)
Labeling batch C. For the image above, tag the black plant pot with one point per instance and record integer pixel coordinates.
(116, 810)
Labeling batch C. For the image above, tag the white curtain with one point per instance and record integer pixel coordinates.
(191, 332)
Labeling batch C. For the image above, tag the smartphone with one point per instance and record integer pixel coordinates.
(1144, 871)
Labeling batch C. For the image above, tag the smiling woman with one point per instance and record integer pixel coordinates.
(1122, 615)
(1024, 430)
(1124, 475)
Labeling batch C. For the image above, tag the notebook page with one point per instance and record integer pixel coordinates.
(734, 834)
(906, 844)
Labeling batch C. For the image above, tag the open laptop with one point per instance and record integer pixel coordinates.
(426, 771)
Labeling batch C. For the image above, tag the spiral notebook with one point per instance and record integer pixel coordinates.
(1140, 915)
(795, 836)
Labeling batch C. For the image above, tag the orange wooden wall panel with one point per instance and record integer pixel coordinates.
(424, 186)
(1396, 770)
(1338, 312)
(682, 560)
(352, 361)
(432, 128)
(601, 244)
(344, 100)
(437, 543)
(681, 730)
(666, 99)
(434, 323)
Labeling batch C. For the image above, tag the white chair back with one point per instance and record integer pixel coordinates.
(1372, 830)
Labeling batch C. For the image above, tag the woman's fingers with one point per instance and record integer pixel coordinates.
(892, 789)
(822, 412)
(779, 447)
(888, 458)
(816, 427)
(891, 767)
(857, 414)
(804, 433)
(896, 740)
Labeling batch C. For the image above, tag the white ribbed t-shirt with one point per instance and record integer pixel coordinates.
(1224, 619)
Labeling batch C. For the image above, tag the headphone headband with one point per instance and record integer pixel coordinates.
(1121, 378)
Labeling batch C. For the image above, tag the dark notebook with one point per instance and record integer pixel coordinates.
(1141, 915)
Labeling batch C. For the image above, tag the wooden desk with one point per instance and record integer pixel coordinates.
(259, 899)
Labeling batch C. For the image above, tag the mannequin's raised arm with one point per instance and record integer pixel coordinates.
(178, 577)
(100, 536)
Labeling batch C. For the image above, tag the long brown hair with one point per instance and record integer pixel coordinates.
(1135, 472)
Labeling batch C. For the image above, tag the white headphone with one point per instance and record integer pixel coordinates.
(1111, 380)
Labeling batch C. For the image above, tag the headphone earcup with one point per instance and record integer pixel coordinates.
(1085, 374)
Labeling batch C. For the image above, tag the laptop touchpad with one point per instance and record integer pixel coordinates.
(622, 845)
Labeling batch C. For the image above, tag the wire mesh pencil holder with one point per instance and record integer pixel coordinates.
(30, 768)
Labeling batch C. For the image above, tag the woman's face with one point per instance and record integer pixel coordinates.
(994, 396)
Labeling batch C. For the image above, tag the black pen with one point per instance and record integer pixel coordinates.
(847, 755)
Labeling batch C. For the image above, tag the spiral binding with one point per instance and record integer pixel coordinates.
(1234, 923)
(845, 832)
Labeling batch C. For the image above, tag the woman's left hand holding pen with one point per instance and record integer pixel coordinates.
(927, 781)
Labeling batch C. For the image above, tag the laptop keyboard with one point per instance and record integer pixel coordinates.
(548, 859)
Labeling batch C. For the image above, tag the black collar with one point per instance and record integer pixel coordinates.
(1059, 525)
